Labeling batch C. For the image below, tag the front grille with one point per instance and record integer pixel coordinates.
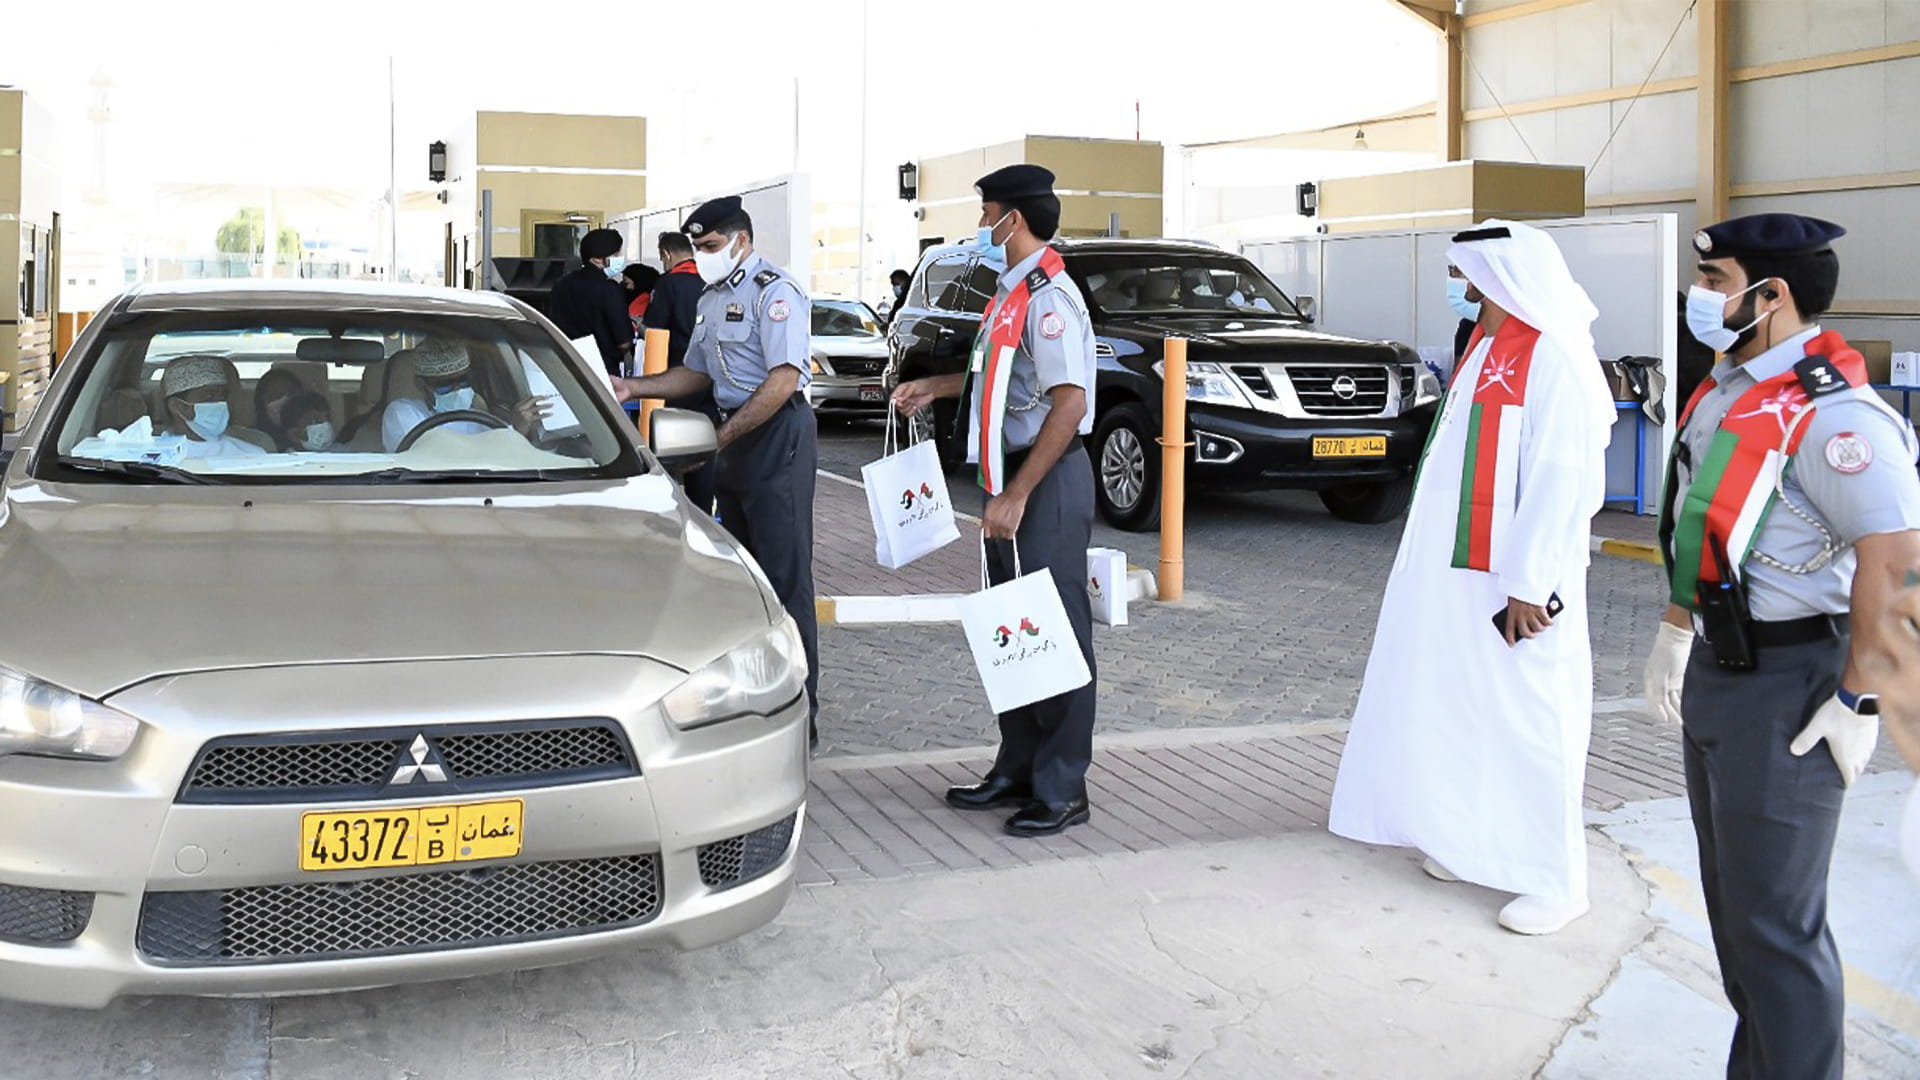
(42, 916)
(848, 365)
(364, 765)
(1255, 378)
(413, 912)
(1318, 386)
(740, 859)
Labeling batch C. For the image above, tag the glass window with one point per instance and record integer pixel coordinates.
(983, 280)
(293, 397)
(1116, 282)
(941, 283)
(558, 241)
(834, 318)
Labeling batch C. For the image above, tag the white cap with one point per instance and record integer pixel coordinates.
(437, 358)
(192, 373)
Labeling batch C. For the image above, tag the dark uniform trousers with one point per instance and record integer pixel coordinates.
(763, 490)
(1766, 821)
(1050, 743)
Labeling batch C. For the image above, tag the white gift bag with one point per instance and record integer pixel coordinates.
(1107, 585)
(1023, 645)
(907, 498)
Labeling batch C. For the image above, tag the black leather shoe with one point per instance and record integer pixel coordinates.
(989, 794)
(1045, 819)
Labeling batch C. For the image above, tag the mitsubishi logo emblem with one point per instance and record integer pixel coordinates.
(1345, 388)
(421, 768)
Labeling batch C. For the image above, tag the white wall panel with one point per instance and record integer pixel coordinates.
(1902, 143)
(1515, 58)
(1580, 55)
(1640, 29)
(1495, 140)
(1847, 130)
(1768, 31)
(1766, 123)
(1578, 136)
(1655, 148)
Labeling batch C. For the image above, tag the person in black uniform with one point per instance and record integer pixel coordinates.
(675, 306)
(588, 302)
(1028, 441)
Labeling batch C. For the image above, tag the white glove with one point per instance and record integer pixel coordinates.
(1850, 736)
(1667, 670)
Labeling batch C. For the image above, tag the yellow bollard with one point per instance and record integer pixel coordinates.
(1173, 472)
(653, 361)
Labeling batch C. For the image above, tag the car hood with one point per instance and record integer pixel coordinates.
(1246, 336)
(863, 347)
(104, 586)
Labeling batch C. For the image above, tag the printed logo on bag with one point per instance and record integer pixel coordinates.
(929, 506)
(906, 499)
(925, 490)
(1004, 638)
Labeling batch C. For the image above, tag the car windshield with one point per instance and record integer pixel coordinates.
(843, 318)
(210, 397)
(1169, 283)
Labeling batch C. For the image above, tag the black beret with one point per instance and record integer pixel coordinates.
(711, 215)
(1014, 182)
(600, 244)
(1766, 234)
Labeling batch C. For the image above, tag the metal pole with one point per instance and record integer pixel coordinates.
(860, 268)
(486, 238)
(393, 179)
(1173, 472)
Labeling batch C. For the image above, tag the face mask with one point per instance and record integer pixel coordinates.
(983, 241)
(614, 275)
(714, 266)
(210, 419)
(1707, 320)
(453, 400)
(318, 436)
(1457, 300)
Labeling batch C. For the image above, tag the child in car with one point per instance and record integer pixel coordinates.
(308, 420)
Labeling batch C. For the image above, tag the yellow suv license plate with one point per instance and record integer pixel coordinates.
(410, 836)
(1349, 446)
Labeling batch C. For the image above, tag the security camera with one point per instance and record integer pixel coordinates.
(919, 213)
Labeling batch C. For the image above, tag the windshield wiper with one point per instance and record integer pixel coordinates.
(447, 476)
(144, 470)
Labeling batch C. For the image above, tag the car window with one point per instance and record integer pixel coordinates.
(832, 318)
(983, 279)
(1178, 282)
(292, 397)
(942, 285)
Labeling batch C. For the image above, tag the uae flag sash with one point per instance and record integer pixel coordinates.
(991, 369)
(1736, 483)
(1490, 480)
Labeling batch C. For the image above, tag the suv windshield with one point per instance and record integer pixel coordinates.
(304, 397)
(843, 318)
(1164, 282)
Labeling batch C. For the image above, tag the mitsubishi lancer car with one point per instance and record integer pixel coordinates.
(354, 638)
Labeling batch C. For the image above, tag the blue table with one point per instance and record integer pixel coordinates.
(1642, 503)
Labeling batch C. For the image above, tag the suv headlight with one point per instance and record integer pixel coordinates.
(753, 680)
(821, 365)
(1209, 382)
(40, 718)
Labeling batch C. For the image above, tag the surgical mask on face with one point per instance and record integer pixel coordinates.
(454, 400)
(714, 266)
(210, 419)
(614, 275)
(983, 241)
(318, 436)
(1457, 300)
(1707, 320)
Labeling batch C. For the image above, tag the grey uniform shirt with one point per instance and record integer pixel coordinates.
(1056, 349)
(752, 322)
(1853, 474)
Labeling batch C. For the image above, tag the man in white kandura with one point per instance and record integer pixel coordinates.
(1470, 740)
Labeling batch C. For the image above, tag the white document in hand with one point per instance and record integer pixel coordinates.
(589, 351)
(560, 416)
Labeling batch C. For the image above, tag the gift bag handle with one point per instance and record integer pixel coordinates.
(986, 580)
(891, 445)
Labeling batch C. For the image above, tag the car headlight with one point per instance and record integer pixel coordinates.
(1210, 383)
(40, 718)
(820, 365)
(755, 679)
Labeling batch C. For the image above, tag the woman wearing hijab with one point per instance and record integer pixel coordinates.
(270, 397)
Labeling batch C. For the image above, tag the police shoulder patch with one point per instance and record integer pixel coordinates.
(1818, 376)
(1849, 453)
(1052, 325)
(778, 311)
(766, 277)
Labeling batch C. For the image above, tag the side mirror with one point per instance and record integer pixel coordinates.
(680, 438)
(1309, 308)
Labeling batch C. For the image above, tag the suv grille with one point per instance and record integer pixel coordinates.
(851, 365)
(42, 916)
(740, 859)
(1340, 390)
(363, 765)
(450, 909)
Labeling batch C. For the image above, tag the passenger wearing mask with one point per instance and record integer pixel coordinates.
(309, 420)
(589, 302)
(270, 397)
(444, 376)
(900, 279)
(1468, 310)
(196, 393)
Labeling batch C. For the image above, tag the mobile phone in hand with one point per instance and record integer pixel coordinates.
(1554, 608)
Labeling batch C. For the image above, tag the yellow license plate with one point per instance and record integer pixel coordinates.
(410, 836)
(1350, 446)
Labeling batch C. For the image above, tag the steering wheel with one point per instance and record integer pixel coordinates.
(471, 416)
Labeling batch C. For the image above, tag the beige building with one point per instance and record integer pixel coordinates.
(29, 253)
(1096, 180)
(1458, 193)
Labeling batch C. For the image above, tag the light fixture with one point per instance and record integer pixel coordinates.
(909, 182)
(1359, 139)
(575, 217)
(1306, 198)
(437, 161)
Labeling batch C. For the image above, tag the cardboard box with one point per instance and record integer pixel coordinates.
(1879, 356)
(1906, 369)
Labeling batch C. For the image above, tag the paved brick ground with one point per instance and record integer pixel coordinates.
(843, 562)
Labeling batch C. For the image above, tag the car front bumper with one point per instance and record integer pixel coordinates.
(1254, 450)
(118, 832)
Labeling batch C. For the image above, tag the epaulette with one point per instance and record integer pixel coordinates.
(1037, 279)
(1818, 376)
(766, 277)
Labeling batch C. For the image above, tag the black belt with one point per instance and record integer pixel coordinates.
(1777, 635)
(1017, 458)
(797, 399)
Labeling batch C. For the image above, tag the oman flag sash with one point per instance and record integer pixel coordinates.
(1490, 480)
(991, 370)
(1737, 481)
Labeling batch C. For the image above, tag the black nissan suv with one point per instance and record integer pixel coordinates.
(1271, 403)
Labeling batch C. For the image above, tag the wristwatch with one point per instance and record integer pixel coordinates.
(1867, 704)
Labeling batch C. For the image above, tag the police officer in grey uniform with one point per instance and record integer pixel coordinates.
(751, 345)
(1771, 681)
(1046, 500)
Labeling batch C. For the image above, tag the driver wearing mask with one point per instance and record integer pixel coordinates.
(196, 393)
(443, 374)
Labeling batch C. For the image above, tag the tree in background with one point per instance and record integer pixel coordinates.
(245, 234)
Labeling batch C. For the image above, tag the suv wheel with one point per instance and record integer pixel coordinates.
(1126, 469)
(1369, 504)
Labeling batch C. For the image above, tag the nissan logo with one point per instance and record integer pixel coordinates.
(1345, 388)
